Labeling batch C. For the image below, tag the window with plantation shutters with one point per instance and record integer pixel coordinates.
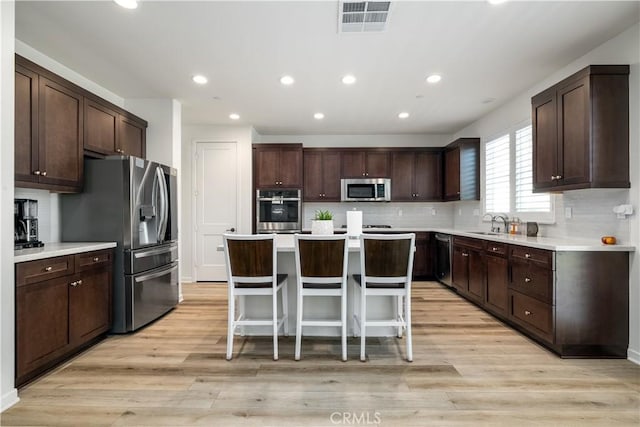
(508, 174)
(526, 200)
(497, 175)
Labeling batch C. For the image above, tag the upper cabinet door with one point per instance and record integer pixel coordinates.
(402, 176)
(290, 167)
(321, 175)
(131, 137)
(573, 133)
(26, 125)
(101, 128)
(377, 164)
(353, 164)
(452, 174)
(277, 166)
(545, 140)
(427, 176)
(60, 135)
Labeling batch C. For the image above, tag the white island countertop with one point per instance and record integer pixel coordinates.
(59, 249)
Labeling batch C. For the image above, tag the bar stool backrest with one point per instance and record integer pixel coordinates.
(388, 258)
(321, 258)
(250, 256)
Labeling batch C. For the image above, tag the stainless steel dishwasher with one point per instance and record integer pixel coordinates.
(443, 258)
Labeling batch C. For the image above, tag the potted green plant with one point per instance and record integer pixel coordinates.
(322, 223)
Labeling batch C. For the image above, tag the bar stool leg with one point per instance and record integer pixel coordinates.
(274, 306)
(363, 320)
(299, 325)
(285, 308)
(241, 305)
(230, 324)
(343, 320)
(399, 313)
(407, 319)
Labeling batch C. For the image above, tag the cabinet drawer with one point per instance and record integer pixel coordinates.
(494, 248)
(469, 243)
(539, 256)
(532, 314)
(89, 260)
(532, 280)
(43, 269)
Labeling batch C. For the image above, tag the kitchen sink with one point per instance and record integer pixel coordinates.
(486, 233)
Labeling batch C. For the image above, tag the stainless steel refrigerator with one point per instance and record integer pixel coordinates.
(134, 202)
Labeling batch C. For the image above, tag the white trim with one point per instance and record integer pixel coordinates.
(186, 279)
(633, 356)
(9, 399)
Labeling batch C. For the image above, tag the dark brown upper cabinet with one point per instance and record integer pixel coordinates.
(109, 131)
(462, 170)
(365, 163)
(277, 166)
(321, 175)
(581, 131)
(48, 131)
(416, 175)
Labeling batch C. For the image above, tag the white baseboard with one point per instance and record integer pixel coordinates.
(9, 399)
(633, 356)
(186, 279)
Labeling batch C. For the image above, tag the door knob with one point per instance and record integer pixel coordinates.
(232, 230)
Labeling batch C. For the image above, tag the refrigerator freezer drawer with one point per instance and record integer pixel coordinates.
(139, 260)
(152, 294)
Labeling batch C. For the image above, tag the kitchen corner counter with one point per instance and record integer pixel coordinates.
(58, 249)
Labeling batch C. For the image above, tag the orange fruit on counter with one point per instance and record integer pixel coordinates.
(608, 240)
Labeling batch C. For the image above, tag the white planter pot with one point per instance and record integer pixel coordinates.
(322, 227)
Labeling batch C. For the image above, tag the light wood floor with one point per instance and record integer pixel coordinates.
(468, 369)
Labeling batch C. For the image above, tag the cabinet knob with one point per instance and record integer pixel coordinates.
(527, 255)
(494, 249)
(527, 313)
(527, 280)
(465, 254)
(44, 173)
(120, 150)
(363, 174)
(36, 172)
(96, 259)
(74, 284)
(48, 268)
(80, 282)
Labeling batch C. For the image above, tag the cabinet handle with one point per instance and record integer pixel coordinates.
(96, 259)
(494, 249)
(363, 174)
(558, 176)
(527, 313)
(74, 284)
(465, 254)
(527, 280)
(48, 268)
(36, 172)
(44, 173)
(527, 255)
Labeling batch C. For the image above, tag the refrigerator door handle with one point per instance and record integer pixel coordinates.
(152, 252)
(164, 204)
(146, 277)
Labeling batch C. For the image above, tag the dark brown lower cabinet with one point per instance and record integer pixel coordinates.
(423, 257)
(575, 303)
(57, 316)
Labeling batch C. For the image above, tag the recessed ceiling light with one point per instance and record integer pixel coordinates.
(287, 80)
(127, 4)
(496, 1)
(200, 79)
(234, 116)
(434, 78)
(403, 115)
(349, 79)
(318, 116)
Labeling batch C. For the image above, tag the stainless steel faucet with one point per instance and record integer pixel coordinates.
(495, 219)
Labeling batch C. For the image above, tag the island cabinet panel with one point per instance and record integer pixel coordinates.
(368, 163)
(462, 170)
(321, 175)
(581, 131)
(63, 304)
(277, 166)
(416, 176)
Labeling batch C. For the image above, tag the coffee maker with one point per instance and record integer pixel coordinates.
(26, 224)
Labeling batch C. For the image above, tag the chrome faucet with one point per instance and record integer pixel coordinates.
(494, 220)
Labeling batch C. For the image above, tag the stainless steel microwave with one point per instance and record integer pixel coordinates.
(366, 190)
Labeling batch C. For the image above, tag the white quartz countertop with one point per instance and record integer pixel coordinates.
(58, 249)
(568, 244)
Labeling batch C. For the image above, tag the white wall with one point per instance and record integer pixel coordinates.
(409, 140)
(8, 393)
(243, 136)
(591, 208)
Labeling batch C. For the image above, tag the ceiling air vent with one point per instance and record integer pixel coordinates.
(363, 16)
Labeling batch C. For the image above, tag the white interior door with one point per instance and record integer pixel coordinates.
(216, 205)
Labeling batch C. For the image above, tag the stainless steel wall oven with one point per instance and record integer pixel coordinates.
(278, 211)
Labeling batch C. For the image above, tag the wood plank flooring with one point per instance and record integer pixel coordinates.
(468, 369)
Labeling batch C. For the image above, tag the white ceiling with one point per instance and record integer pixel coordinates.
(482, 52)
